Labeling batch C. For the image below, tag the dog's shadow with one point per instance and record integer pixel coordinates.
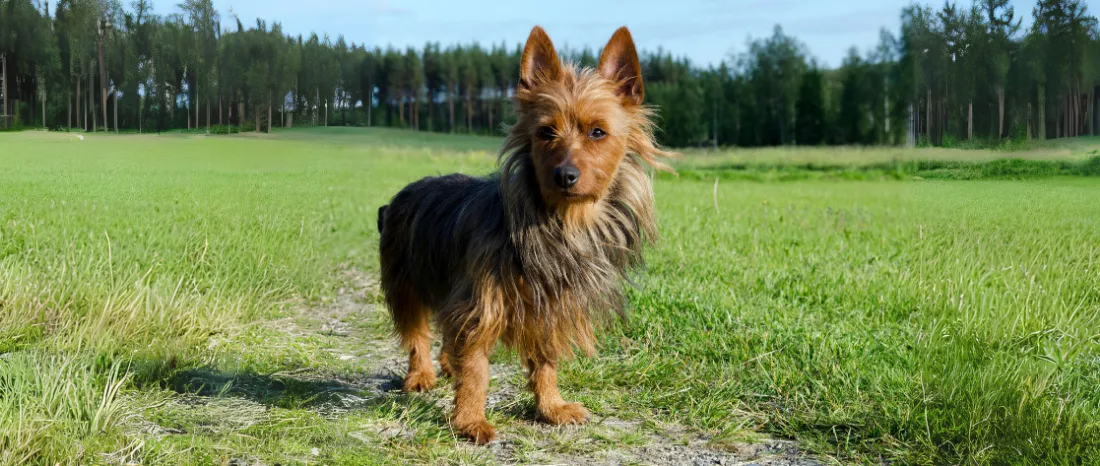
(327, 394)
(292, 390)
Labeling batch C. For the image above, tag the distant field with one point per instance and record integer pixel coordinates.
(207, 300)
(1073, 157)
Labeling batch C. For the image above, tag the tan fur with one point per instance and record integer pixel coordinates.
(516, 258)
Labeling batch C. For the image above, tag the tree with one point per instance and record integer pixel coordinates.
(1000, 16)
(810, 108)
(414, 81)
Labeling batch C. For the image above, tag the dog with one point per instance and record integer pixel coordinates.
(535, 255)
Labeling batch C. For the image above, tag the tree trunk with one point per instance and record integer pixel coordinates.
(1092, 110)
(257, 112)
(91, 98)
(102, 80)
(198, 105)
(4, 79)
(1063, 119)
(1000, 111)
(1076, 111)
(269, 113)
(1029, 125)
(207, 114)
(1042, 113)
(1067, 109)
(104, 104)
(469, 111)
(431, 109)
(44, 105)
(928, 115)
(401, 110)
(451, 108)
(1079, 126)
(970, 120)
(78, 114)
(69, 119)
(116, 112)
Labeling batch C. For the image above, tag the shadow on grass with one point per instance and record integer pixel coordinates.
(292, 390)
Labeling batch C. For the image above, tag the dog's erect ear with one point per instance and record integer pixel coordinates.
(619, 63)
(540, 61)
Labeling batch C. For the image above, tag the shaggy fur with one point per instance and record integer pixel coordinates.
(514, 256)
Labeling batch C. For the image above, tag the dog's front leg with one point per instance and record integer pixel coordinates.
(550, 407)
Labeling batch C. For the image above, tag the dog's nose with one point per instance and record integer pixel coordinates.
(566, 176)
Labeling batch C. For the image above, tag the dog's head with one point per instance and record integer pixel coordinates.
(580, 124)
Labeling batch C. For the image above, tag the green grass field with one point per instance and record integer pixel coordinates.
(210, 300)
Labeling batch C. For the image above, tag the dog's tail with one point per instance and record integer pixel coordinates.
(381, 217)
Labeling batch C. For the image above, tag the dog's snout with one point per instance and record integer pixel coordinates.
(566, 176)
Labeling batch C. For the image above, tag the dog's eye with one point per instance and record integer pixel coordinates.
(597, 133)
(547, 133)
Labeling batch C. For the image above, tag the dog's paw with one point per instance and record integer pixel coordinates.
(419, 382)
(479, 432)
(564, 414)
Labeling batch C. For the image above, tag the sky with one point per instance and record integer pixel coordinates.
(706, 31)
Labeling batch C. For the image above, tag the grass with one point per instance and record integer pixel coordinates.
(151, 288)
(1074, 157)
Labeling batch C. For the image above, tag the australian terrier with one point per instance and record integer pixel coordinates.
(534, 255)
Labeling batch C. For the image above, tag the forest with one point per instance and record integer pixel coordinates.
(952, 73)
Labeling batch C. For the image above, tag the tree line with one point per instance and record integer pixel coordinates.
(951, 73)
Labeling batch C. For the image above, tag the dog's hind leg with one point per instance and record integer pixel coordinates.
(411, 323)
(550, 407)
(470, 330)
(446, 358)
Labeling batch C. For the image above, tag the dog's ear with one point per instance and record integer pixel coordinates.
(540, 61)
(619, 64)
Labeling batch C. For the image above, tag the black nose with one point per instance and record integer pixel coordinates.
(566, 176)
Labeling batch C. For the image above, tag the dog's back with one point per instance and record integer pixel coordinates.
(426, 232)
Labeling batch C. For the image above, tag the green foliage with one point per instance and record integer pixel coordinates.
(953, 73)
(680, 123)
(224, 129)
(810, 109)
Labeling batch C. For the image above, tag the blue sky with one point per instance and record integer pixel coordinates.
(707, 31)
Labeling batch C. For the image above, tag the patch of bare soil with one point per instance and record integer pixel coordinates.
(604, 441)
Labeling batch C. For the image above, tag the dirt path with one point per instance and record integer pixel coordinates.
(358, 331)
